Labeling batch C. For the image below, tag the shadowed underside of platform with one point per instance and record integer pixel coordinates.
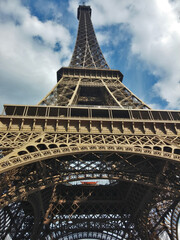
(91, 160)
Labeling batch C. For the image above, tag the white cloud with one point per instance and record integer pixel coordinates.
(49, 9)
(155, 29)
(103, 37)
(73, 5)
(26, 44)
(27, 56)
(154, 106)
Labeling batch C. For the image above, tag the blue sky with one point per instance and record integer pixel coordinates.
(140, 38)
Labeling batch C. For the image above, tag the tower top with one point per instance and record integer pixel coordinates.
(87, 53)
(83, 8)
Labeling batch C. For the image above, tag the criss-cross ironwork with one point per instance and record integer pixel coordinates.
(91, 160)
(87, 53)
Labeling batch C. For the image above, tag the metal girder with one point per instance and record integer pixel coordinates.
(87, 53)
(103, 86)
(108, 166)
(90, 127)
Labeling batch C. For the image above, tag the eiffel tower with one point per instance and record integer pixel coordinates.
(91, 160)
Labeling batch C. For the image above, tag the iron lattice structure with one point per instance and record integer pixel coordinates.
(89, 127)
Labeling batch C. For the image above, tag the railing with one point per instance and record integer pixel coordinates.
(89, 111)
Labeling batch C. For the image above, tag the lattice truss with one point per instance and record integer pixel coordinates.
(137, 160)
(87, 53)
(92, 91)
(33, 146)
(136, 191)
(36, 147)
(134, 168)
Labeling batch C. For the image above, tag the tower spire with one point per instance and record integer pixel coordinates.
(88, 80)
(87, 53)
(98, 131)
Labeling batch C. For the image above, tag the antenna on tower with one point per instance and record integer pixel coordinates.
(83, 3)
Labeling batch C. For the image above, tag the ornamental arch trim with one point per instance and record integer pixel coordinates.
(42, 151)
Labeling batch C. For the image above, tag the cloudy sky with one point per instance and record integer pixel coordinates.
(140, 38)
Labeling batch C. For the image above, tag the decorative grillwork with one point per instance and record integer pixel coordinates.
(93, 162)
